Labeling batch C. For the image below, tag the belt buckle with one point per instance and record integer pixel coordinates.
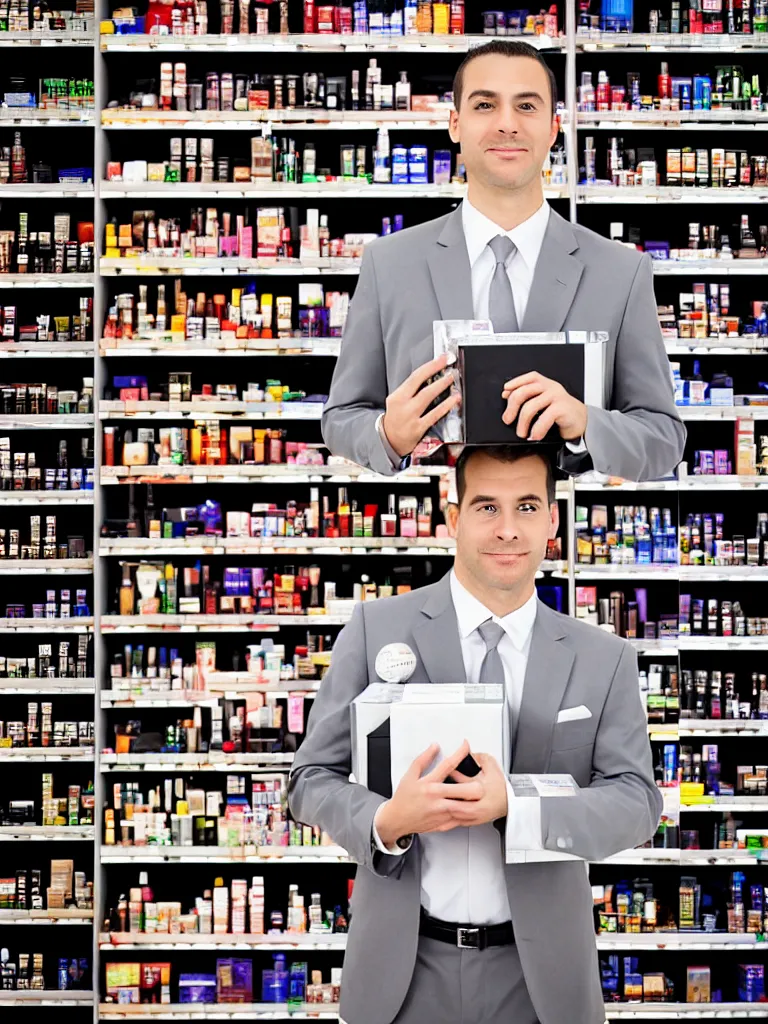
(463, 934)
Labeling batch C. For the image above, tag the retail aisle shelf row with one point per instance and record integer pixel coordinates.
(46, 566)
(313, 42)
(38, 917)
(162, 346)
(45, 997)
(46, 280)
(46, 349)
(675, 41)
(47, 833)
(70, 421)
(223, 854)
(212, 761)
(46, 497)
(42, 754)
(16, 687)
(665, 194)
(33, 39)
(219, 1011)
(25, 625)
(212, 410)
(285, 940)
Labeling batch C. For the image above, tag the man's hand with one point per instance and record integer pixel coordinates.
(492, 804)
(406, 420)
(534, 393)
(426, 804)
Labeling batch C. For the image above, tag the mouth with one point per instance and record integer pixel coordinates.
(507, 152)
(506, 557)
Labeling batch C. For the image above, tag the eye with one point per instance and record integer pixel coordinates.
(483, 105)
(527, 507)
(528, 106)
(488, 508)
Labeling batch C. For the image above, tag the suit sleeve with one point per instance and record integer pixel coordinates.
(641, 437)
(319, 789)
(359, 387)
(620, 808)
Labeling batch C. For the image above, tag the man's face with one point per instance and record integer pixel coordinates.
(504, 522)
(505, 125)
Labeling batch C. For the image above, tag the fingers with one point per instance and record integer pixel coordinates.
(471, 790)
(441, 410)
(526, 378)
(530, 410)
(486, 761)
(431, 391)
(544, 423)
(424, 372)
(424, 760)
(448, 764)
(518, 398)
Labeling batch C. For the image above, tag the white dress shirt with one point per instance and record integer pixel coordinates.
(528, 239)
(462, 871)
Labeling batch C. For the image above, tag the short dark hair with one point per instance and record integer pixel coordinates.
(504, 48)
(503, 453)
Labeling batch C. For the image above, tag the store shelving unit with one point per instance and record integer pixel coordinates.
(107, 358)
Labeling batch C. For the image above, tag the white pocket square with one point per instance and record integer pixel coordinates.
(573, 714)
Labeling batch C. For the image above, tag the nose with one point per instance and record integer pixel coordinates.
(506, 529)
(507, 119)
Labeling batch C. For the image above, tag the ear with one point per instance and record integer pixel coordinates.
(556, 129)
(453, 126)
(452, 519)
(554, 520)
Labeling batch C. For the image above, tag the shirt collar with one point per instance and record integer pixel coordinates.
(471, 613)
(528, 236)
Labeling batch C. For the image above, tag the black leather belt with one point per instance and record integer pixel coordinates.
(467, 936)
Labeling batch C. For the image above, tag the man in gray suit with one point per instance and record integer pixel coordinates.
(504, 255)
(445, 927)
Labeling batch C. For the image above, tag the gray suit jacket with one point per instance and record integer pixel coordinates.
(582, 282)
(570, 663)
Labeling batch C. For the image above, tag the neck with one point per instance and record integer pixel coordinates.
(498, 602)
(506, 207)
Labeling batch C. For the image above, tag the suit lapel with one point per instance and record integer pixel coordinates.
(450, 271)
(437, 636)
(555, 278)
(549, 668)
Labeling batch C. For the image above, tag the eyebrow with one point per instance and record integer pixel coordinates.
(491, 95)
(489, 499)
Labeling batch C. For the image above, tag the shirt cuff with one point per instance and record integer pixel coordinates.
(394, 459)
(523, 824)
(577, 447)
(392, 851)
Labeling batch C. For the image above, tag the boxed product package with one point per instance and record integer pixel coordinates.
(485, 361)
(123, 982)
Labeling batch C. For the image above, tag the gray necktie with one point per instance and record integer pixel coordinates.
(492, 670)
(501, 304)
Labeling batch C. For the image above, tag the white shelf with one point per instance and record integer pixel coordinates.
(45, 280)
(53, 190)
(670, 941)
(197, 266)
(596, 195)
(46, 567)
(212, 410)
(277, 474)
(219, 1011)
(84, 755)
(82, 624)
(686, 1011)
(667, 118)
(140, 546)
(150, 699)
(720, 643)
(619, 572)
(46, 349)
(224, 855)
(31, 39)
(289, 347)
(722, 727)
(26, 687)
(747, 345)
(298, 120)
(212, 762)
(685, 858)
(656, 648)
(699, 413)
(735, 804)
(46, 497)
(47, 833)
(712, 482)
(274, 190)
(314, 43)
(40, 917)
(286, 941)
(71, 421)
(721, 573)
(713, 267)
(32, 117)
(675, 42)
(46, 997)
